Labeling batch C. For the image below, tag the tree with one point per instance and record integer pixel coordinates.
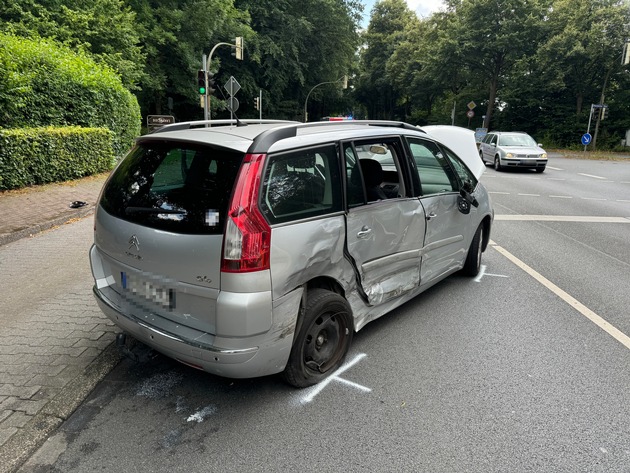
(491, 36)
(298, 44)
(104, 28)
(389, 21)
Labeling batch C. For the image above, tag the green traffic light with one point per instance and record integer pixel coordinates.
(202, 90)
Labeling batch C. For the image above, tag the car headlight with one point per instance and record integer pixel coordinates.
(509, 155)
(543, 156)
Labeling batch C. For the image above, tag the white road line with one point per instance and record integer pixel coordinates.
(555, 169)
(561, 196)
(562, 218)
(502, 193)
(555, 179)
(590, 175)
(591, 198)
(530, 195)
(622, 201)
(577, 305)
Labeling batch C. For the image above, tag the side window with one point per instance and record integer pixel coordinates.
(493, 140)
(301, 184)
(466, 177)
(354, 182)
(434, 171)
(373, 171)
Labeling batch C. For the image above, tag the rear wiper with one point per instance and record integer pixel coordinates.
(152, 210)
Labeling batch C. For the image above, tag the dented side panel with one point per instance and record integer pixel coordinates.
(302, 251)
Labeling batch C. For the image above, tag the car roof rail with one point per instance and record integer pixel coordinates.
(212, 123)
(264, 141)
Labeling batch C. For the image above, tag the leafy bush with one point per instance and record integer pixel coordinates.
(40, 155)
(44, 84)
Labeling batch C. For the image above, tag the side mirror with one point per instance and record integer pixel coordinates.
(540, 145)
(464, 201)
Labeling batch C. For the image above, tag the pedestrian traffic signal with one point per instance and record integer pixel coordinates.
(201, 81)
(257, 103)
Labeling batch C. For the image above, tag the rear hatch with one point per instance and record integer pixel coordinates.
(159, 230)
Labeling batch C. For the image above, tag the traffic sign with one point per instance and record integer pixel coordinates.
(471, 105)
(232, 104)
(232, 86)
(159, 120)
(470, 114)
(586, 138)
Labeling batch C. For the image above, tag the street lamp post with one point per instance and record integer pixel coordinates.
(343, 78)
(206, 67)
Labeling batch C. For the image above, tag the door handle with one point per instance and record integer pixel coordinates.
(364, 232)
(431, 215)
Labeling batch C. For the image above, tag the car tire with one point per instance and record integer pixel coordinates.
(472, 265)
(322, 340)
(481, 156)
(497, 163)
(540, 170)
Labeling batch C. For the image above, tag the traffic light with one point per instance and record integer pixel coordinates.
(257, 103)
(211, 82)
(604, 112)
(201, 81)
(239, 47)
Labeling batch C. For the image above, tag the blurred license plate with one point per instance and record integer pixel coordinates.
(152, 292)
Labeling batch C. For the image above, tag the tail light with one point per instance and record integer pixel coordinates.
(246, 244)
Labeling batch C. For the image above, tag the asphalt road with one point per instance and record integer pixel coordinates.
(524, 368)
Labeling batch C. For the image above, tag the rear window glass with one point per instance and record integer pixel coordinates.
(301, 184)
(173, 186)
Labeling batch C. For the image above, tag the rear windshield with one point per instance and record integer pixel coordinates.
(176, 187)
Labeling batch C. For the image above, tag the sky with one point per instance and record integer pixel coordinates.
(423, 8)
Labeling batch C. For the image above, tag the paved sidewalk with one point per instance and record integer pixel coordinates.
(28, 211)
(55, 351)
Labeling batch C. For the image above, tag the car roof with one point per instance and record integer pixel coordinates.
(265, 136)
(260, 136)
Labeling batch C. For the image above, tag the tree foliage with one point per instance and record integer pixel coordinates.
(103, 28)
(533, 65)
(50, 85)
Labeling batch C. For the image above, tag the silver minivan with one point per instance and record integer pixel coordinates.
(251, 248)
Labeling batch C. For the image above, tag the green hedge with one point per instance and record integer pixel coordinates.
(40, 155)
(45, 84)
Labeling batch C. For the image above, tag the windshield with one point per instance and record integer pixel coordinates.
(516, 140)
(174, 187)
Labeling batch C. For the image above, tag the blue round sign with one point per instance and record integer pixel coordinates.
(586, 138)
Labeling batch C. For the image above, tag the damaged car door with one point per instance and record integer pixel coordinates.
(385, 223)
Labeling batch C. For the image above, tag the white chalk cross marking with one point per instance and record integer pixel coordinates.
(315, 390)
(482, 273)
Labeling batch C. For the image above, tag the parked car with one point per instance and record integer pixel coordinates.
(256, 248)
(512, 149)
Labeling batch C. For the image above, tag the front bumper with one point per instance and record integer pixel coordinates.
(524, 163)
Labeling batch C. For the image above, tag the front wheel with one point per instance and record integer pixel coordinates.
(497, 163)
(322, 341)
(473, 260)
(539, 170)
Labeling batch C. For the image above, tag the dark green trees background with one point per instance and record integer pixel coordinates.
(531, 65)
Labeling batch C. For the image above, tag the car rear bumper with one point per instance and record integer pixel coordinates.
(264, 356)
